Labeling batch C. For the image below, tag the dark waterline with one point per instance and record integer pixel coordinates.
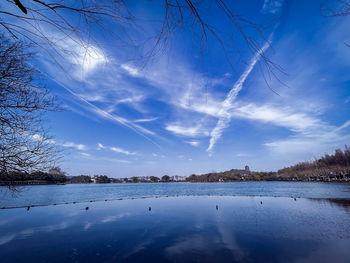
(56, 194)
(182, 229)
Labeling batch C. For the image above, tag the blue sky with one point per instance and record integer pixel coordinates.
(189, 111)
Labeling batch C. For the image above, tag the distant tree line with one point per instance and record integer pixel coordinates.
(53, 176)
(226, 176)
(81, 179)
(334, 167)
(329, 167)
(100, 179)
(233, 175)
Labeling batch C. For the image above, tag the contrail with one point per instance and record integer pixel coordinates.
(118, 119)
(224, 115)
(136, 128)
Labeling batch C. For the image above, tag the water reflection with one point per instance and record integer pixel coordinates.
(183, 229)
(29, 232)
(341, 202)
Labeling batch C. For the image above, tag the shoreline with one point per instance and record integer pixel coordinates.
(23, 183)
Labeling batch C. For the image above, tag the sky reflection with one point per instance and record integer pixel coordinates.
(179, 229)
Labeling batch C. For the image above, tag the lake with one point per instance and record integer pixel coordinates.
(50, 194)
(217, 222)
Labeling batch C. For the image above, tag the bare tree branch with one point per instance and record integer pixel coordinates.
(24, 144)
(74, 19)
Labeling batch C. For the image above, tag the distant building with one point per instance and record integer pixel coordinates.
(241, 172)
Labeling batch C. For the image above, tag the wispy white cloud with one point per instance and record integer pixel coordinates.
(84, 57)
(102, 113)
(102, 158)
(211, 107)
(317, 143)
(183, 88)
(77, 146)
(120, 150)
(88, 57)
(40, 138)
(313, 139)
(93, 97)
(193, 143)
(308, 130)
(131, 70)
(100, 146)
(133, 99)
(146, 120)
(137, 128)
(225, 116)
(195, 131)
(292, 119)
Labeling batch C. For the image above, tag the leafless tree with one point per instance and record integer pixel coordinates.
(24, 145)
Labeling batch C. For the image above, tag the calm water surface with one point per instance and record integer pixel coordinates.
(50, 194)
(179, 229)
(205, 223)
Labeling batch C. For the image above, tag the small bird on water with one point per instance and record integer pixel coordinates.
(217, 207)
(87, 208)
(261, 202)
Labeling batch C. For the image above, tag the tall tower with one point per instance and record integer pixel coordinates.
(246, 168)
